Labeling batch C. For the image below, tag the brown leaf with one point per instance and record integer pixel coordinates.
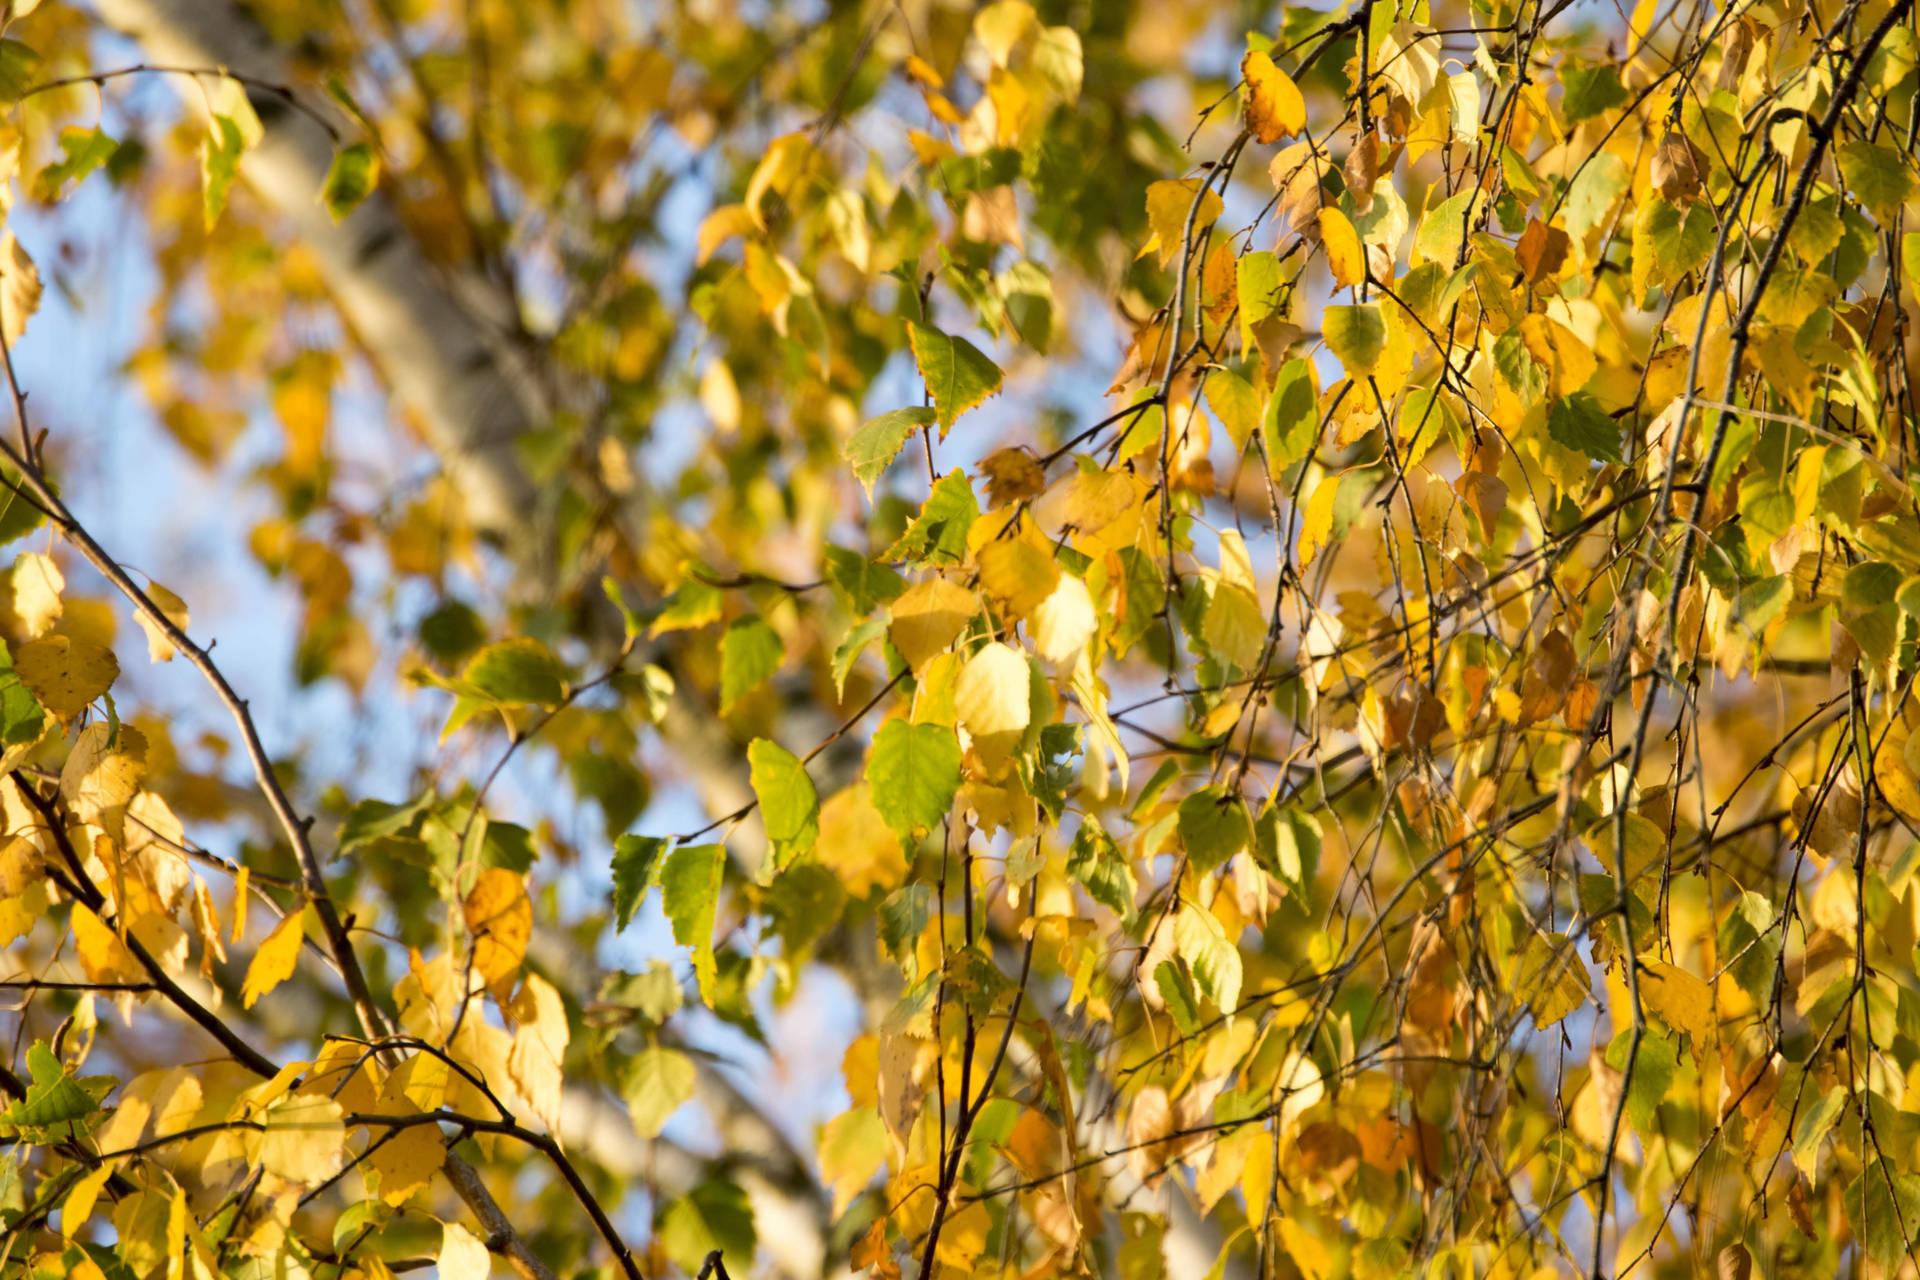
(1675, 168)
(1011, 475)
(1542, 251)
(1361, 170)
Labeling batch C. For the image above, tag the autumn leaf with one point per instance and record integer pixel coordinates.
(273, 961)
(19, 289)
(1275, 109)
(1345, 255)
(499, 919)
(64, 673)
(160, 646)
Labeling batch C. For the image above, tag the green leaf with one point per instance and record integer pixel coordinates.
(714, 1215)
(20, 514)
(1357, 335)
(851, 648)
(22, 718)
(350, 179)
(1213, 827)
(1578, 422)
(690, 895)
(903, 914)
(628, 615)
(866, 584)
(1668, 242)
(1877, 176)
(1286, 843)
(695, 604)
(1590, 91)
(1444, 227)
(1880, 1202)
(58, 1107)
(219, 164)
(1815, 1123)
(517, 672)
(19, 67)
(914, 772)
(635, 858)
(1292, 423)
(750, 652)
(611, 781)
(789, 805)
(1750, 942)
(372, 820)
(654, 994)
(939, 534)
(1654, 1068)
(957, 375)
(1215, 961)
(1176, 992)
(872, 449)
(804, 902)
(1096, 863)
(1235, 402)
(82, 151)
(1259, 283)
(1595, 188)
(659, 1082)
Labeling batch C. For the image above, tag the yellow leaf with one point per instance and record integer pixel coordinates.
(720, 226)
(1018, 572)
(103, 957)
(1001, 26)
(1275, 109)
(1683, 1001)
(419, 1082)
(1568, 361)
(66, 674)
(991, 700)
(159, 647)
(19, 289)
(241, 887)
(1551, 978)
(782, 167)
(539, 1047)
(1316, 519)
(37, 584)
(461, 1256)
(98, 780)
(1344, 252)
(273, 963)
(406, 1159)
(78, 1206)
(1064, 622)
(304, 1137)
(857, 845)
(344, 1073)
(1169, 206)
(177, 1099)
(928, 617)
(500, 919)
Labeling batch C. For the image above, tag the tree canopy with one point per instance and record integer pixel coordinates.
(914, 638)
